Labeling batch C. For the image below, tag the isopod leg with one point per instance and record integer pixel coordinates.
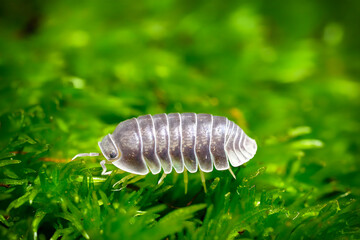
(124, 180)
(162, 178)
(104, 172)
(232, 173)
(186, 180)
(203, 180)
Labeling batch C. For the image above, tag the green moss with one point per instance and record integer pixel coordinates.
(286, 73)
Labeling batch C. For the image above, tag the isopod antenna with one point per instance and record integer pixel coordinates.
(85, 155)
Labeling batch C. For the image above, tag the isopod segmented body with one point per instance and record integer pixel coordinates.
(180, 141)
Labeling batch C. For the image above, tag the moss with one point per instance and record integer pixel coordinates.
(286, 73)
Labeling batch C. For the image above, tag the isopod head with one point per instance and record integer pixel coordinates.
(122, 148)
(109, 148)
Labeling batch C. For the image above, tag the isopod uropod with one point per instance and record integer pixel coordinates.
(180, 141)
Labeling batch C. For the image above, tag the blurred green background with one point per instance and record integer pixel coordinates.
(286, 72)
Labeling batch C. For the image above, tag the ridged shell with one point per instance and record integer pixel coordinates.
(179, 141)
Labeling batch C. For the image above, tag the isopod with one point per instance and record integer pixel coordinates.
(176, 141)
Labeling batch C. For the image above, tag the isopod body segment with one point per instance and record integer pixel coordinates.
(180, 141)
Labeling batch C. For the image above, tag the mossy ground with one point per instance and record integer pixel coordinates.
(286, 72)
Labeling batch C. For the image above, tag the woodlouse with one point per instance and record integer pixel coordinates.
(180, 141)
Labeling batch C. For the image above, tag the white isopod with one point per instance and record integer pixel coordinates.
(180, 141)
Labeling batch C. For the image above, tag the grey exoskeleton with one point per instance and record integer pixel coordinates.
(180, 141)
